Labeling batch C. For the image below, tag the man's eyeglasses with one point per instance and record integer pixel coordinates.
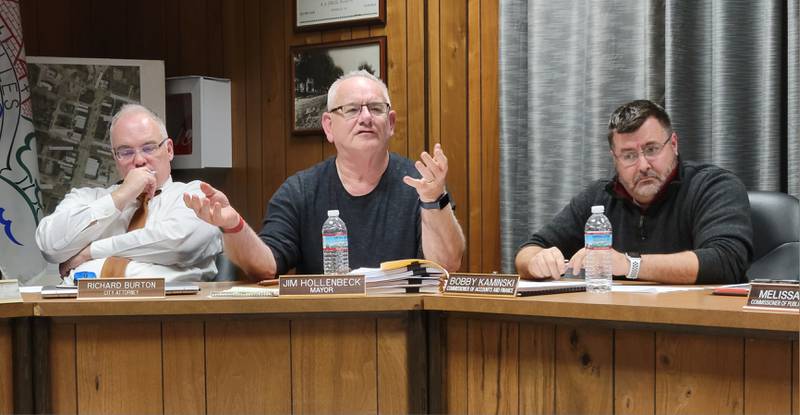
(127, 153)
(348, 111)
(649, 151)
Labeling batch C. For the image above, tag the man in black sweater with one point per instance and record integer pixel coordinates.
(674, 221)
(393, 207)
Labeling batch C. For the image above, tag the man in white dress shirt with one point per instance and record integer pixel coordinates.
(93, 229)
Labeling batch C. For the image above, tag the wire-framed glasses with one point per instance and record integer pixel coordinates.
(348, 111)
(649, 151)
(126, 153)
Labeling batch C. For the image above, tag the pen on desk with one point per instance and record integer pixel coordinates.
(269, 282)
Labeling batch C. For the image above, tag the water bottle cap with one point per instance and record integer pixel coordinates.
(333, 212)
(598, 209)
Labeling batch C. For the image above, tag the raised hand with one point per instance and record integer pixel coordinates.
(213, 207)
(433, 170)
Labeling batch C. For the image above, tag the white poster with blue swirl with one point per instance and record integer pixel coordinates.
(20, 195)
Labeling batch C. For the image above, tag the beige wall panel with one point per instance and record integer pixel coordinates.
(247, 366)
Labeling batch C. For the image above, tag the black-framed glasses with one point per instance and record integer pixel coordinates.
(348, 111)
(649, 151)
(126, 153)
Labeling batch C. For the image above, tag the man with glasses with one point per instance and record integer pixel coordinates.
(674, 221)
(393, 208)
(139, 226)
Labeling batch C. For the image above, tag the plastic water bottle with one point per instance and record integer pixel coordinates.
(335, 258)
(597, 237)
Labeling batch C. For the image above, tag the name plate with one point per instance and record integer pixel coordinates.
(774, 297)
(496, 285)
(108, 288)
(9, 291)
(327, 285)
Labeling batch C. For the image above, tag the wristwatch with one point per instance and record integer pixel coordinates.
(635, 259)
(439, 203)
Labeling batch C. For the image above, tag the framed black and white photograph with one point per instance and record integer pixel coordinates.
(315, 67)
(329, 14)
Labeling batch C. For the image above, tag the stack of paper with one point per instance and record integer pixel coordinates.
(403, 276)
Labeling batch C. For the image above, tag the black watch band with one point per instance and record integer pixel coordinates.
(439, 203)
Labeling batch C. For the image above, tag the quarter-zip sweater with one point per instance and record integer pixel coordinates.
(704, 209)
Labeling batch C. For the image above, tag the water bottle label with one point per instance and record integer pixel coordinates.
(337, 240)
(594, 240)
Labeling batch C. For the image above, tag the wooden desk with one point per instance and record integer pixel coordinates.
(9, 312)
(195, 354)
(686, 352)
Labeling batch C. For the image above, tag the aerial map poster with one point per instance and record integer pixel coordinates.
(73, 101)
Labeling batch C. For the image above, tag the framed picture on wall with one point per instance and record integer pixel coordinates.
(329, 14)
(315, 67)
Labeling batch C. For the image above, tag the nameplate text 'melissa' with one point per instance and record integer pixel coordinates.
(774, 297)
(116, 288)
(325, 285)
(495, 285)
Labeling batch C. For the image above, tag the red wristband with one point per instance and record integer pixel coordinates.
(235, 229)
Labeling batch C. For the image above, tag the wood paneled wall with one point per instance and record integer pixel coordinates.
(442, 73)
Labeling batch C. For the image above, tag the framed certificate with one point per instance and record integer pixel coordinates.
(329, 14)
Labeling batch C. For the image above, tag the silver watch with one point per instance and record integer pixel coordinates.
(635, 261)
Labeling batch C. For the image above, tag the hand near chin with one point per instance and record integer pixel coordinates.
(138, 181)
(213, 207)
(433, 170)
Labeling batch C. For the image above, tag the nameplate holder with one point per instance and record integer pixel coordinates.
(494, 285)
(118, 288)
(9, 291)
(321, 285)
(774, 297)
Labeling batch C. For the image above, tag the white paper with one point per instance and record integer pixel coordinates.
(652, 289)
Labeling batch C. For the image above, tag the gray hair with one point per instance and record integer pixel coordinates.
(129, 108)
(334, 88)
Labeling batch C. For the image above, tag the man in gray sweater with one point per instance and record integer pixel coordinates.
(674, 221)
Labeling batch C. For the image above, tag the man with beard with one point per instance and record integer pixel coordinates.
(674, 221)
